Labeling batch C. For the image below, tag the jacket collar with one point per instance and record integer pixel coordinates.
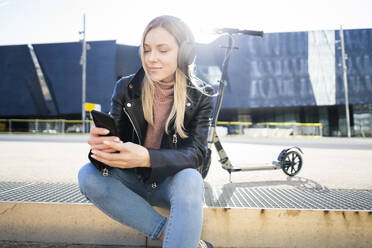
(136, 82)
(135, 85)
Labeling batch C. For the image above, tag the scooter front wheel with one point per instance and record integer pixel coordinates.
(291, 163)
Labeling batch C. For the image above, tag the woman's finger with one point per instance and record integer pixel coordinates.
(96, 131)
(99, 140)
(102, 147)
(105, 161)
(109, 150)
(107, 156)
(114, 145)
(99, 147)
(110, 162)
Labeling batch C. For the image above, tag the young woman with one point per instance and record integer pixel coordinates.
(163, 120)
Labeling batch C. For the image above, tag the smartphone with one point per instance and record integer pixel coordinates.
(104, 120)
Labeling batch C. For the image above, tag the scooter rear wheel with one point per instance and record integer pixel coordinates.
(291, 163)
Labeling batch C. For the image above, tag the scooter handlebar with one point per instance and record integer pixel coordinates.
(239, 31)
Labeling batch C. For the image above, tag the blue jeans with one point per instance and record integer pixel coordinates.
(126, 199)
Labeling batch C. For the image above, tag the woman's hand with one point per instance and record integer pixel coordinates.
(130, 155)
(96, 141)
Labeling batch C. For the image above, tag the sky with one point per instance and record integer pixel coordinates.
(54, 21)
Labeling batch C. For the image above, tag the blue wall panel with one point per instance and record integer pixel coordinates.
(17, 77)
(358, 47)
(266, 72)
(127, 60)
(62, 69)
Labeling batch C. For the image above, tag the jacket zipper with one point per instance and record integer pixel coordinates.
(105, 172)
(153, 185)
(175, 140)
(134, 127)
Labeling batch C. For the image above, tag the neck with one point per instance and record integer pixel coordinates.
(166, 82)
(169, 79)
(164, 85)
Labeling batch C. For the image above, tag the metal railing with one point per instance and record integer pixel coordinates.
(62, 126)
(272, 128)
(43, 126)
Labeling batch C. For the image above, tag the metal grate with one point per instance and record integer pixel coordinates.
(229, 196)
(288, 198)
(41, 192)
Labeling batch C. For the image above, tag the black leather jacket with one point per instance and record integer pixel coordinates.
(175, 153)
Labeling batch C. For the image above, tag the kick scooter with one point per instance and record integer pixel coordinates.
(289, 160)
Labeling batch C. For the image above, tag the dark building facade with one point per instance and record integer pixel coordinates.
(296, 77)
(283, 77)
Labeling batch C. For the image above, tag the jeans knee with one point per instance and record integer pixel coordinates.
(191, 179)
(82, 178)
(188, 186)
(88, 179)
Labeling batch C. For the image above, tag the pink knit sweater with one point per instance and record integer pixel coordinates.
(162, 105)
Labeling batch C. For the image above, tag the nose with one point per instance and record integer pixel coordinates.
(152, 57)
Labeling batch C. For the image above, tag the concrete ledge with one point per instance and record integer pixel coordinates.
(75, 223)
(244, 227)
(225, 227)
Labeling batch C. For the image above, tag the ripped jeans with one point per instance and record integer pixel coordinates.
(126, 199)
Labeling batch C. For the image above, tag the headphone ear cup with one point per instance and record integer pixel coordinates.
(186, 54)
(139, 52)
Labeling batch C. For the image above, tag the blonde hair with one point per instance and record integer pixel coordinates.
(181, 33)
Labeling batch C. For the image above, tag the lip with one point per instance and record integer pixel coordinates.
(154, 68)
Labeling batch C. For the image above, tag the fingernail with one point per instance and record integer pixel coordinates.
(117, 139)
(106, 131)
(93, 151)
(106, 142)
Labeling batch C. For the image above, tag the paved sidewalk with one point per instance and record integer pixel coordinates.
(14, 244)
(329, 163)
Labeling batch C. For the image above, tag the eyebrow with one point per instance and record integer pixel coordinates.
(158, 45)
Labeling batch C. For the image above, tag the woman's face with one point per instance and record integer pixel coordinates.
(160, 51)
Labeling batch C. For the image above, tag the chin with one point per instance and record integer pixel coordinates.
(157, 78)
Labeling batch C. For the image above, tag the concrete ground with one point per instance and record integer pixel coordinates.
(329, 163)
(333, 163)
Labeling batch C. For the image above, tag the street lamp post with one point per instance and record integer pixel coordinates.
(83, 62)
(344, 69)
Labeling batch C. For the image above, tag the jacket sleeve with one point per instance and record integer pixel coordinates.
(167, 162)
